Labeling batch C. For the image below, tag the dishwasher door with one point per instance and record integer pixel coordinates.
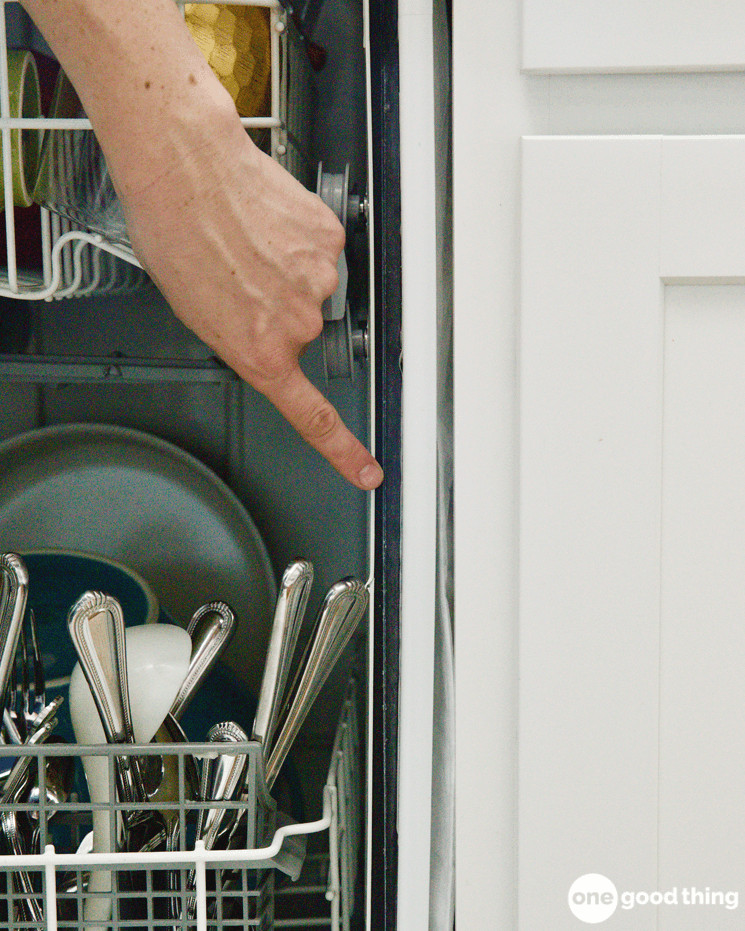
(413, 886)
(86, 338)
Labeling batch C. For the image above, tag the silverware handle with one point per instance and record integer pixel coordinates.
(13, 597)
(96, 626)
(16, 782)
(221, 780)
(340, 614)
(28, 902)
(292, 601)
(210, 628)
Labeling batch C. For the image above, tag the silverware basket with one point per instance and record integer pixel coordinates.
(174, 883)
(326, 894)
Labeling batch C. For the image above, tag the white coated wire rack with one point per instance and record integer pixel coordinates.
(79, 262)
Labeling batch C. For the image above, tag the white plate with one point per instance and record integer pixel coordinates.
(131, 497)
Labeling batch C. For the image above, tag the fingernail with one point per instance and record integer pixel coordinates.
(371, 475)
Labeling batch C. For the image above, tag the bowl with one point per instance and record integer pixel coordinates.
(57, 578)
(24, 93)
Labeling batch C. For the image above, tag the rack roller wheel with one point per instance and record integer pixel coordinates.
(338, 356)
(338, 353)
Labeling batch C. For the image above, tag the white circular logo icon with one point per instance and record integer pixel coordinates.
(592, 898)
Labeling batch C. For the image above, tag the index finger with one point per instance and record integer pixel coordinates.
(319, 424)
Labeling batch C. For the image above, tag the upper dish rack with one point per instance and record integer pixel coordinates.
(76, 262)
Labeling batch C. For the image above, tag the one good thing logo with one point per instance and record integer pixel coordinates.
(594, 898)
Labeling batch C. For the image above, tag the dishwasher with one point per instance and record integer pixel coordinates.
(125, 442)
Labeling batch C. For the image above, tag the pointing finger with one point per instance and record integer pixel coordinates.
(319, 424)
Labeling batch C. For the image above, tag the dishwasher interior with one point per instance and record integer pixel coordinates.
(93, 361)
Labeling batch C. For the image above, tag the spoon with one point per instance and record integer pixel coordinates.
(59, 776)
(165, 787)
(210, 629)
(340, 613)
(148, 655)
(292, 601)
(221, 782)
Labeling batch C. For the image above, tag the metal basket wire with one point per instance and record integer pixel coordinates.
(187, 886)
(327, 884)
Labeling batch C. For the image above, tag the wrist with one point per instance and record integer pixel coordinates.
(200, 129)
(165, 103)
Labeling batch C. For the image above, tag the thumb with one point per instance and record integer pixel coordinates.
(319, 424)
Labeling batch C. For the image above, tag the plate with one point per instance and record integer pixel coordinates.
(133, 498)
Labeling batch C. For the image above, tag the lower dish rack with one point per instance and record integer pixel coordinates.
(157, 882)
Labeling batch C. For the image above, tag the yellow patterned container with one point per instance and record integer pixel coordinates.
(235, 41)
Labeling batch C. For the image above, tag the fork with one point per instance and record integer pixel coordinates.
(35, 686)
(27, 903)
(25, 699)
(13, 718)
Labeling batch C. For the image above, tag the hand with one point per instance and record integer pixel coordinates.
(242, 252)
(245, 256)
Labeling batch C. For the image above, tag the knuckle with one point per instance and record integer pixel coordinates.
(337, 237)
(304, 318)
(314, 326)
(328, 280)
(332, 230)
(267, 365)
(321, 423)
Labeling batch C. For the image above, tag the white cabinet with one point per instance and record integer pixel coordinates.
(600, 457)
(632, 521)
(637, 35)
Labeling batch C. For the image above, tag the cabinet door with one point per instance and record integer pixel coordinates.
(632, 524)
(637, 35)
